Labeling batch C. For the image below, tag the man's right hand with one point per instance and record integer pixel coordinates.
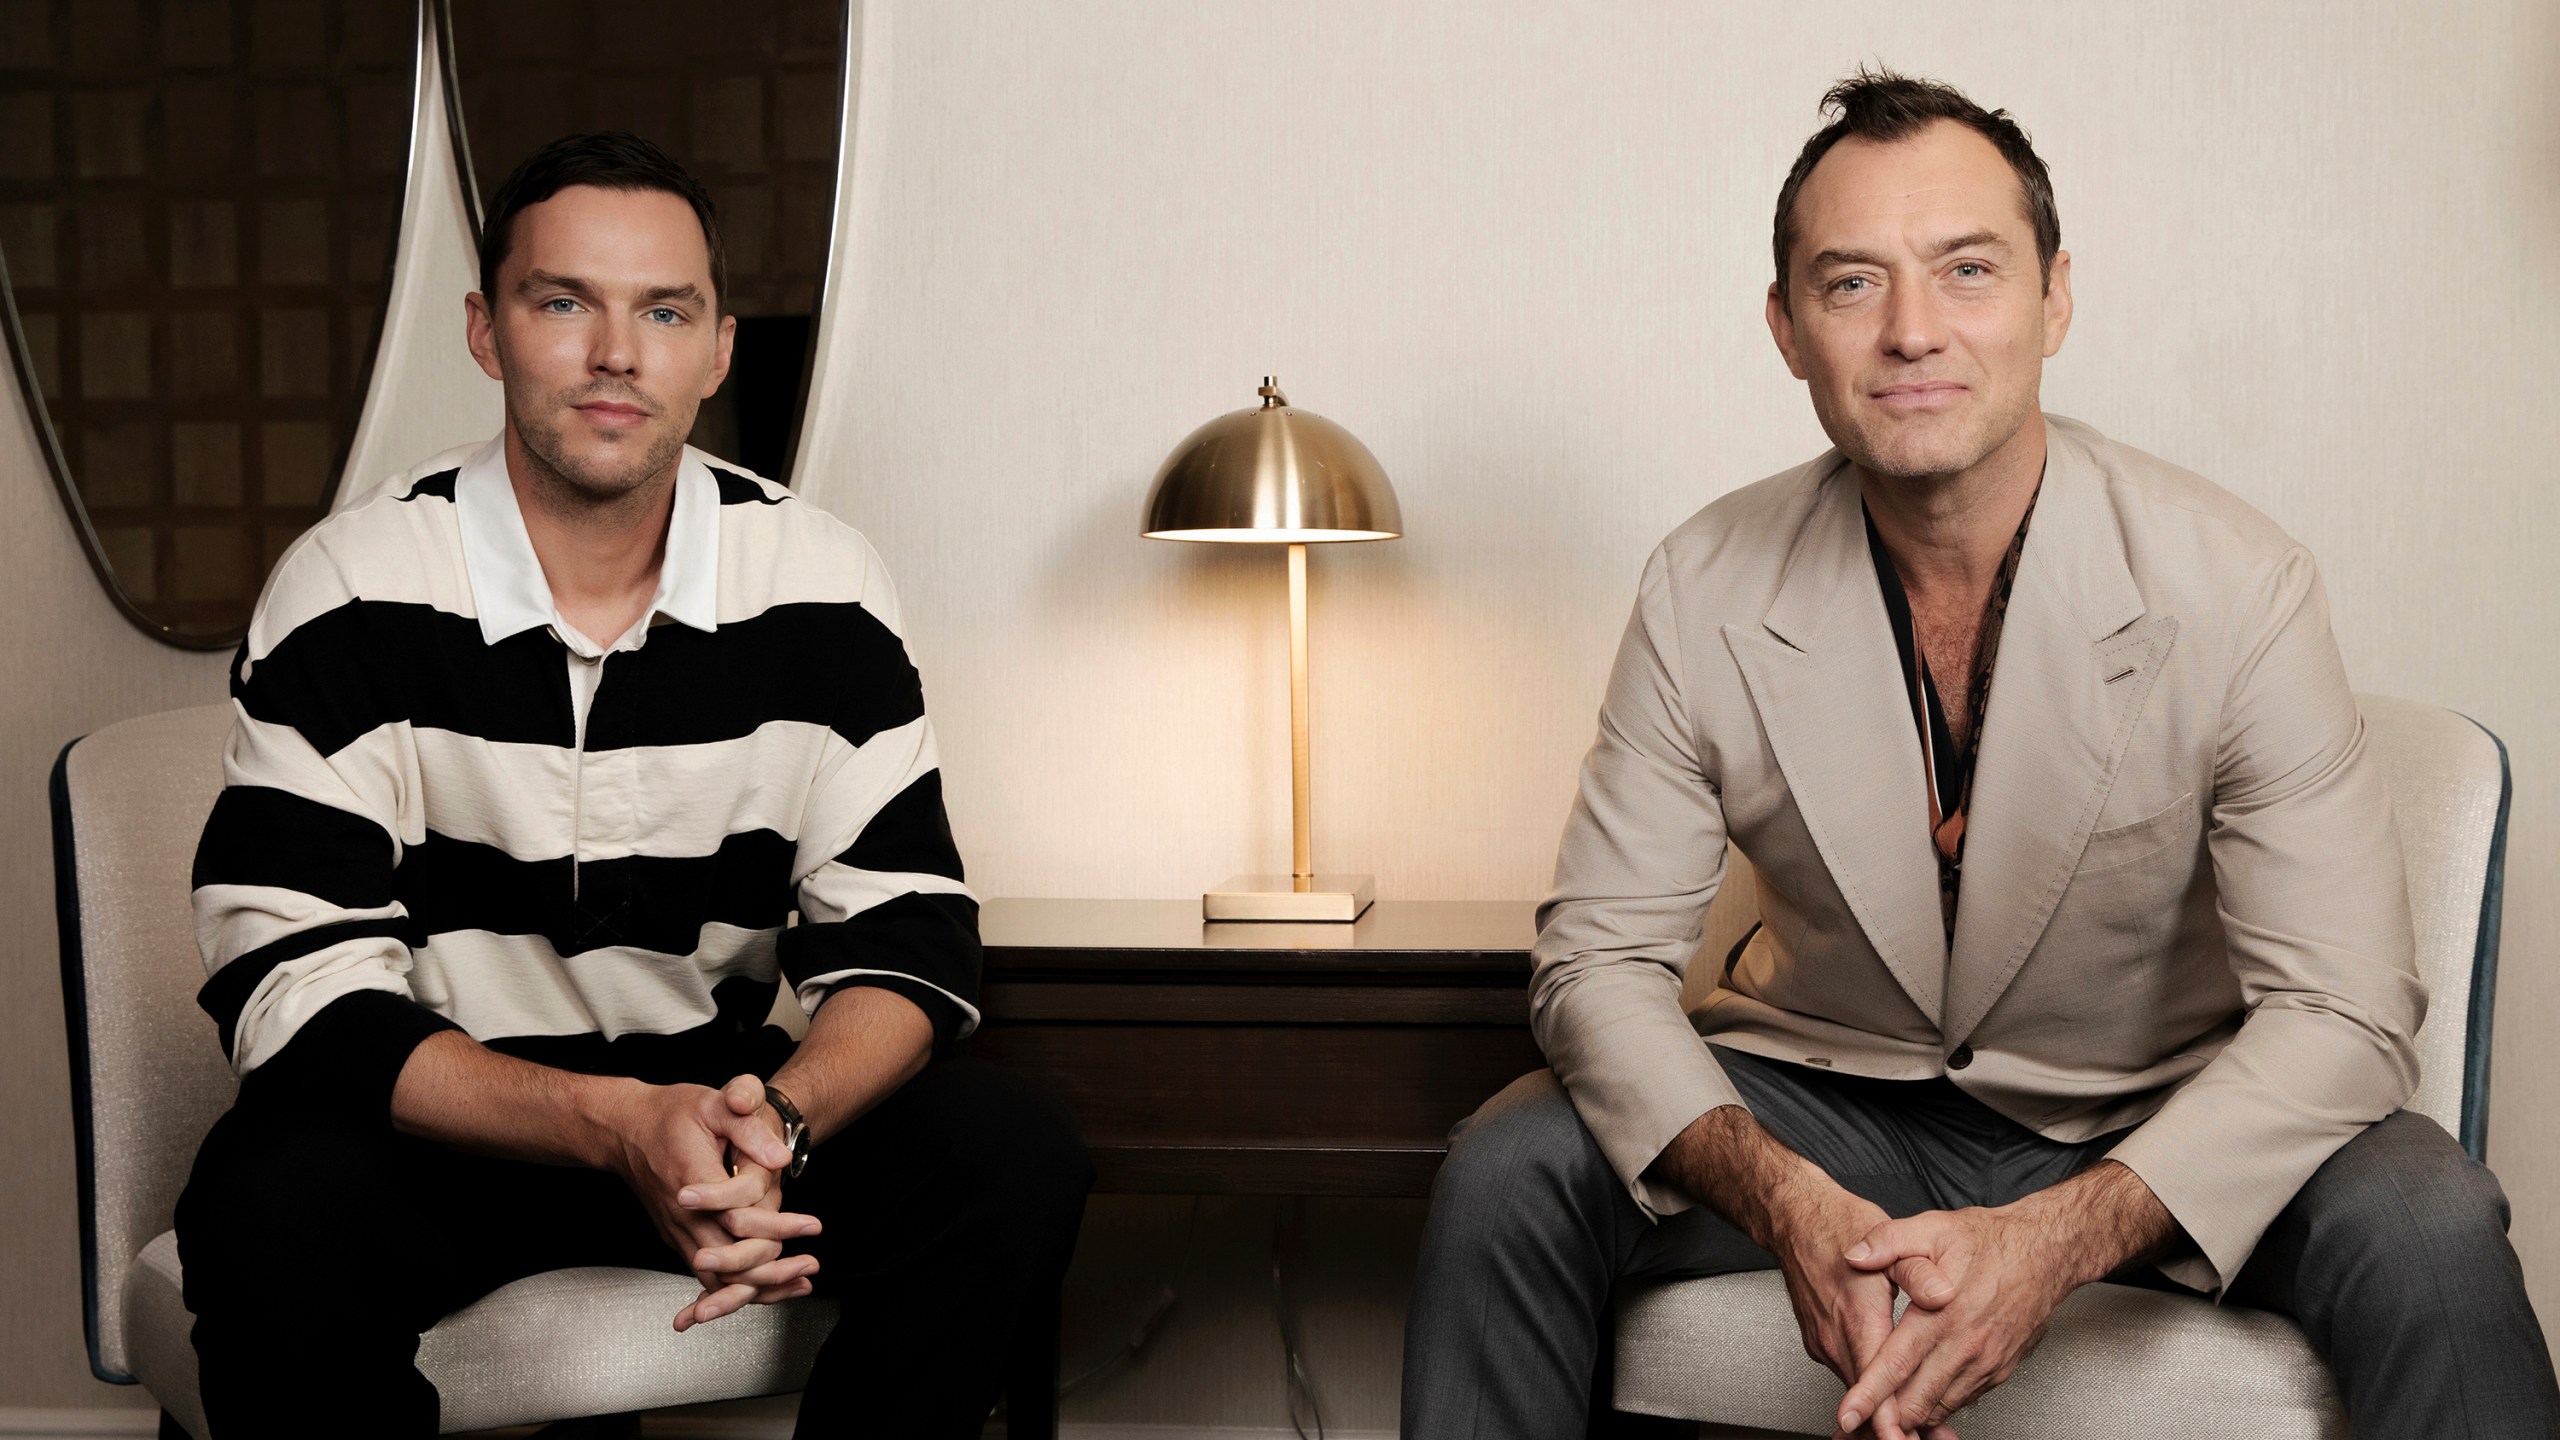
(1844, 1312)
(1794, 1211)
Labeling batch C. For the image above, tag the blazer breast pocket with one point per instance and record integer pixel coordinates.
(2144, 838)
(2125, 900)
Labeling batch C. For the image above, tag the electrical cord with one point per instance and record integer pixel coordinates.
(1300, 1385)
(1142, 1330)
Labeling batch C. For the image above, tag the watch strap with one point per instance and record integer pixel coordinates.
(795, 1130)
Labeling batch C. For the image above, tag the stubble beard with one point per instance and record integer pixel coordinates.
(1921, 454)
(608, 483)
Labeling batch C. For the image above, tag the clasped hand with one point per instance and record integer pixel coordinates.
(706, 1165)
(1983, 1285)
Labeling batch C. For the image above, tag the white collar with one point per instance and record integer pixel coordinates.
(507, 586)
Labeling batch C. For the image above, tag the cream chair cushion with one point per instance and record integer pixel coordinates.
(2118, 1364)
(568, 1342)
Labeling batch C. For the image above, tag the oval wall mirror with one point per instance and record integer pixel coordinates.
(746, 94)
(198, 202)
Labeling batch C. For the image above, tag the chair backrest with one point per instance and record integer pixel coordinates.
(2449, 791)
(148, 1077)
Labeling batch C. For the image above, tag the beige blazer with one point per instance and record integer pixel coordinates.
(2183, 904)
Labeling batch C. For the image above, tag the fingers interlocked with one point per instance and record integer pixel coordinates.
(1978, 1307)
(737, 1255)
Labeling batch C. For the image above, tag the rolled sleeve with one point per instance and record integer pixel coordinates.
(884, 898)
(347, 1059)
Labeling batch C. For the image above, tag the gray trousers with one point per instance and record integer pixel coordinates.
(2393, 1258)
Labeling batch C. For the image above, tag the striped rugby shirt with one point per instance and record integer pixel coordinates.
(443, 807)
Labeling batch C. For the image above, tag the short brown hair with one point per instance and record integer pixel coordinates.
(609, 160)
(1882, 106)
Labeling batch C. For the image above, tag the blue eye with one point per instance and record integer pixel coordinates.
(559, 304)
(1970, 269)
(1852, 280)
(665, 315)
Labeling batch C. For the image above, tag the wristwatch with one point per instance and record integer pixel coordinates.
(795, 1131)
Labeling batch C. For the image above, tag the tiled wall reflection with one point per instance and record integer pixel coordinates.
(197, 202)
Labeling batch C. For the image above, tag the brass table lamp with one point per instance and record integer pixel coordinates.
(1278, 475)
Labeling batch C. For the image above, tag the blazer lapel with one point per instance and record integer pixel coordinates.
(1822, 671)
(2077, 659)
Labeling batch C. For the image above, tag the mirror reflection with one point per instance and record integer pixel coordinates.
(198, 200)
(746, 94)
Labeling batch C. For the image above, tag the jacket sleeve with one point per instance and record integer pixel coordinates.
(883, 899)
(2315, 913)
(1642, 857)
(305, 944)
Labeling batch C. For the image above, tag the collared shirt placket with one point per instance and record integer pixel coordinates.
(586, 682)
(586, 677)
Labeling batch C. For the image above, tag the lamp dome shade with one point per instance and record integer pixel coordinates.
(1272, 475)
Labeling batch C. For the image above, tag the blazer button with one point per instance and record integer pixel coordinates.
(1960, 1057)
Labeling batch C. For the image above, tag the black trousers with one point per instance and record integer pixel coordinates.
(317, 1246)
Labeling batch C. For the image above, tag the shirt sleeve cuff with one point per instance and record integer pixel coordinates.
(2220, 1248)
(347, 1058)
(1634, 1116)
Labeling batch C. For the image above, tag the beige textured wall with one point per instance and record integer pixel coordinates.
(1519, 249)
(72, 664)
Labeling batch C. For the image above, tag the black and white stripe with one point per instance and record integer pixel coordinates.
(414, 807)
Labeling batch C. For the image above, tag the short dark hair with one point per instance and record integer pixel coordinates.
(1882, 106)
(612, 160)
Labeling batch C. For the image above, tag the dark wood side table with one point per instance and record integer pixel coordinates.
(1272, 1059)
(1261, 1059)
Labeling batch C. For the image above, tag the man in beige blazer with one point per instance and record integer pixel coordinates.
(2085, 944)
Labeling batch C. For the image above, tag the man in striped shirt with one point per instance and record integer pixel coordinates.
(541, 752)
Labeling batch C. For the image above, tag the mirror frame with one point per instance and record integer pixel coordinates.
(440, 14)
(22, 359)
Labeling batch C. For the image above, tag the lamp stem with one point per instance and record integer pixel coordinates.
(1302, 849)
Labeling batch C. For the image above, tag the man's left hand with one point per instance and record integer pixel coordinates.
(1984, 1283)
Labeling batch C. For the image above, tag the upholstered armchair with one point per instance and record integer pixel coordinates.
(148, 1080)
(2121, 1361)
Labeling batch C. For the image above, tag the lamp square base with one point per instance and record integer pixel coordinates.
(1338, 899)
